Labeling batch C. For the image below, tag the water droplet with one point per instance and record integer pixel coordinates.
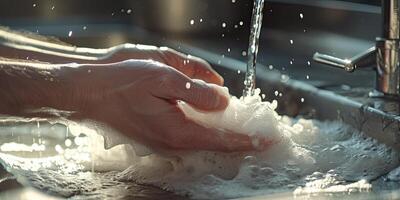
(201, 20)
(229, 49)
(129, 11)
(233, 1)
(244, 53)
(34, 5)
(307, 77)
(188, 85)
(308, 63)
(191, 21)
(301, 16)
(291, 41)
(59, 149)
(302, 100)
(84, 28)
(276, 93)
(238, 71)
(271, 67)
(291, 62)
(241, 23)
(69, 33)
(223, 24)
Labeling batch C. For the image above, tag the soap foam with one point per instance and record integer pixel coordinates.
(309, 157)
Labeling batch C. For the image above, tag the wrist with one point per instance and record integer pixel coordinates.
(24, 87)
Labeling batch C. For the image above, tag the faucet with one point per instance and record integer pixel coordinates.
(384, 55)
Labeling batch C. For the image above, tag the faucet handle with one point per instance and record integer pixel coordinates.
(362, 60)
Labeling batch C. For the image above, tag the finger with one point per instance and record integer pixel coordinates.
(193, 67)
(203, 71)
(196, 137)
(176, 86)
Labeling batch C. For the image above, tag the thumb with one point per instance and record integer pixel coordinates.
(205, 96)
(201, 95)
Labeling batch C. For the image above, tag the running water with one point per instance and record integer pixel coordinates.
(256, 24)
(310, 157)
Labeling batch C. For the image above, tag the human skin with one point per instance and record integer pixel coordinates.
(138, 98)
(133, 89)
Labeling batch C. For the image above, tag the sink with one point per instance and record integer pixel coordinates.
(376, 118)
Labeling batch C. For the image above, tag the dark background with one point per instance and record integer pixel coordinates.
(340, 28)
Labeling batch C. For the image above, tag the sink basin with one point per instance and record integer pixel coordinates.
(375, 117)
(295, 98)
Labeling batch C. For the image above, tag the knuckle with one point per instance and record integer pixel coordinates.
(168, 81)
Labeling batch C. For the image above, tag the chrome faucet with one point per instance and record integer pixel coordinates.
(384, 55)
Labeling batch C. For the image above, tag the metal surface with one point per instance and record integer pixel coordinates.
(376, 118)
(364, 59)
(386, 53)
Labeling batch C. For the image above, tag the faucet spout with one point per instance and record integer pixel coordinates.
(385, 54)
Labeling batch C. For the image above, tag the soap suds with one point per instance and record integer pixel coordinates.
(308, 157)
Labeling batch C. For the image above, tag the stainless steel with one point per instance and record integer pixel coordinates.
(364, 59)
(385, 55)
(390, 15)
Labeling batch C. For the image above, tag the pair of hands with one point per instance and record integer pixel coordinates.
(139, 99)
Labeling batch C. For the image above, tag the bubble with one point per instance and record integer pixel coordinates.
(291, 41)
(129, 11)
(241, 23)
(301, 16)
(69, 33)
(68, 142)
(223, 24)
(192, 22)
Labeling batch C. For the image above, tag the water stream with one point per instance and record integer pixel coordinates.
(255, 30)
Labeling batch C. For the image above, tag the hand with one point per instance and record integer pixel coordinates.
(138, 98)
(191, 66)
